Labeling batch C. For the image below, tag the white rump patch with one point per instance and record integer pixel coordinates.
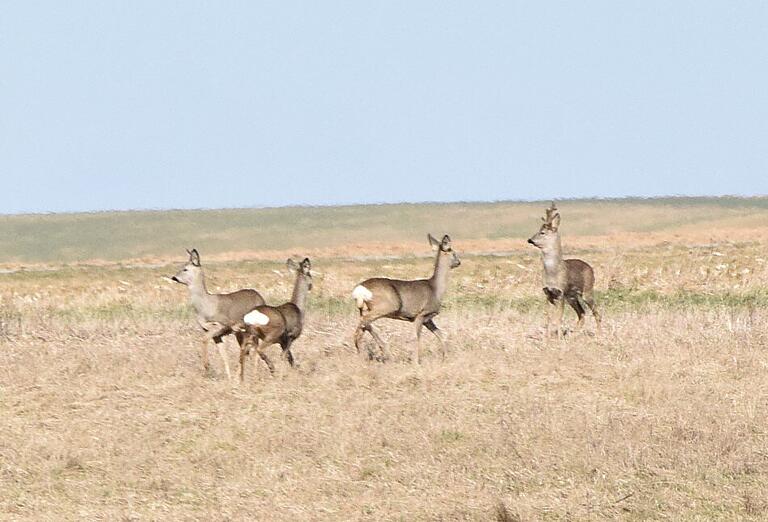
(361, 295)
(255, 318)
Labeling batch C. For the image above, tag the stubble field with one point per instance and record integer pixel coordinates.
(106, 414)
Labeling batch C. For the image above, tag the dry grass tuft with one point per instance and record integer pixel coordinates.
(503, 514)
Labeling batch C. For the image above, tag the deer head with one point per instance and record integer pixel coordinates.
(190, 270)
(547, 235)
(444, 248)
(303, 270)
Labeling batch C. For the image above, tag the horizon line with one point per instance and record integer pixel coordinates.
(606, 199)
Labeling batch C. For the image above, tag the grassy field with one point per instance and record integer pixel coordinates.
(372, 230)
(107, 415)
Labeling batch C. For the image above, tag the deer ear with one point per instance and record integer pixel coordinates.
(291, 264)
(433, 242)
(194, 257)
(446, 241)
(306, 266)
(556, 222)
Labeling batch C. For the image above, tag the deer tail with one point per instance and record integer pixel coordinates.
(361, 295)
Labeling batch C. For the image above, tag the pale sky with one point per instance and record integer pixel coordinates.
(158, 104)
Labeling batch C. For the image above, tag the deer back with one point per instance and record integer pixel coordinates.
(229, 309)
(401, 299)
(285, 320)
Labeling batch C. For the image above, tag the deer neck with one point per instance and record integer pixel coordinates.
(300, 292)
(439, 279)
(199, 293)
(554, 266)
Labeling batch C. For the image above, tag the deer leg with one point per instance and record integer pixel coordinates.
(263, 356)
(419, 323)
(255, 347)
(590, 300)
(223, 354)
(551, 320)
(259, 347)
(204, 354)
(548, 322)
(365, 326)
(267, 362)
(243, 353)
(266, 342)
(286, 346)
(249, 344)
(554, 297)
(432, 327)
(382, 345)
(362, 327)
(574, 303)
(559, 309)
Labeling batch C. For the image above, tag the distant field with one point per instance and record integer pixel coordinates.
(366, 230)
(107, 415)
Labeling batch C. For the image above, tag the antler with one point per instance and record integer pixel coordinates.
(550, 213)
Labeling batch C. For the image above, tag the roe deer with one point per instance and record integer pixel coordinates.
(217, 314)
(416, 301)
(565, 280)
(267, 325)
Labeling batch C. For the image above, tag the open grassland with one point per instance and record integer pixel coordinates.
(367, 230)
(106, 414)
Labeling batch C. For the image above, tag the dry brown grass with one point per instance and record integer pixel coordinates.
(106, 414)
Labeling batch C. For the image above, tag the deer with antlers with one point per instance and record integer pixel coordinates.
(565, 280)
